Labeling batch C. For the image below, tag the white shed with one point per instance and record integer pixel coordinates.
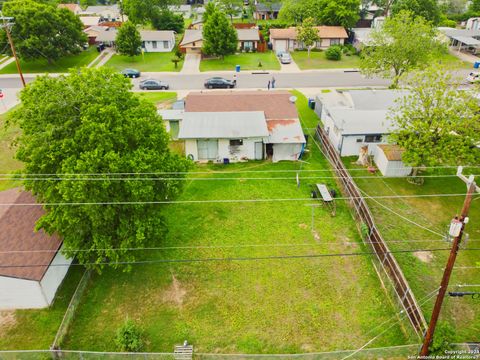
(32, 266)
(388, 158)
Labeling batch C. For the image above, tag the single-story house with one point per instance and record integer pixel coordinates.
(32, 265)
(461, 38)
(75, 8)
(192, 42)
(152, 40)
(473, 24)
(92, 33)
(106, 12)
(388, 158)
(88, 21)
(356, 118)
(196, 24)
(240, 126)
(286, 39)
(266, 11)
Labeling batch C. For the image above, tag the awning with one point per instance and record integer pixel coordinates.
(466, 40)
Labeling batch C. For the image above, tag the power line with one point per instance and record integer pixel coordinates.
(230, 259)
(214, 201)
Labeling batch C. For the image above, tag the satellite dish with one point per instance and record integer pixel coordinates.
(292, 99)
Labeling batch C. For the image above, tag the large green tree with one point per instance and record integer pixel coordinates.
(89, 122)
(41, 30)
(128, 40)
(231, 7)
(428, 9)
(404, 42)
(143, 11)
(437, 124)
(219, 36)
(324, 12)
(167, 20)
(308, 34)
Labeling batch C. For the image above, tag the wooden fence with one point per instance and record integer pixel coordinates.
(374, 239)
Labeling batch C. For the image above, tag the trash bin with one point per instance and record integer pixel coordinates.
(476, 65)
(237, 68)
(311, 104)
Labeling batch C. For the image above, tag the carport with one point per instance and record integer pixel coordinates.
(465, 41)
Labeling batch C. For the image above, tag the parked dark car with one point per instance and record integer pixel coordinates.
(100, 47)
(152, 84)
(219, 83)
(131, 73)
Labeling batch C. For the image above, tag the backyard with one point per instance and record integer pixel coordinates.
(318, 60)
(286, 305)
(150, 62)
(247, 61)
(60, 66)
(424, 270)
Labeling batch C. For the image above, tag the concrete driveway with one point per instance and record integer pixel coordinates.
(191, 64)
(289, 68)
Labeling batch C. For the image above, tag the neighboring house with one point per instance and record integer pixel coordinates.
(192, 42)
(152, 40)
(88, 21)
(461, 38)
(196, 24)
(37, 266)
(473, 24)
(75, 8)
(266, 11)
(388, 158)
(356, 118)
(240, 126)
(92, 33)
(106, 12)
(286, 39)
(184, 10)
(361, 37)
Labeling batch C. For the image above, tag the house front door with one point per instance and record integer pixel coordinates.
(258, 151)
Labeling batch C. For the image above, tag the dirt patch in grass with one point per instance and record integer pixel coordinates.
(7, 319)
(175, 293)
(424, 256)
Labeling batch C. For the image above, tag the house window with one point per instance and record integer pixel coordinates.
(334, 41)
(373, 138)
(359, 140)
(154, 44)
(165, 44)
(236, 142)
(248, 45)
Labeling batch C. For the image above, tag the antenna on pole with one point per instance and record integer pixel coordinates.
(6, 25)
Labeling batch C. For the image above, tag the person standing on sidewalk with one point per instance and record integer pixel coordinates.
(268, 85)
(273, 82)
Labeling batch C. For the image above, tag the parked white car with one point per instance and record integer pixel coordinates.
(285, 58)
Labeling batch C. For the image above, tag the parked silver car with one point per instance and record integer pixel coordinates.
(285, 58)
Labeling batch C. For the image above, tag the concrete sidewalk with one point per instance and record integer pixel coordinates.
(107, 55)
(6, 62)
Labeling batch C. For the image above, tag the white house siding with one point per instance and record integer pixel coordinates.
(54, 276)
(21, 294)
(390, 167)
(351, 144)
(158, 46)
(225, 151)
(289, 152)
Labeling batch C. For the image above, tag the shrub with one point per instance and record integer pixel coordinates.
(349, 49)
(444, 336)
(447, 22)
(129, 337)
(334, 53)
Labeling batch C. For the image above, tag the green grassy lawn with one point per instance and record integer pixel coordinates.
(163, 99)
(318, 60)
(36, 329)
(452, 62)
(262, 306)
(146, 62)
(7, 162)
(434, 213)
(247, 61)
(60, 66)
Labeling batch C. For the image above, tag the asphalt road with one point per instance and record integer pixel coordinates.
(249, 80)
(245, 80)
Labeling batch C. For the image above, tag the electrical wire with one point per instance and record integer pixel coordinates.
(230, 259)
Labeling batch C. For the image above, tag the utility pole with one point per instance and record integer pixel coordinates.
(12, 47)
(472, 187)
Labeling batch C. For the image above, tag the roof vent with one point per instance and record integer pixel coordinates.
(292, 99)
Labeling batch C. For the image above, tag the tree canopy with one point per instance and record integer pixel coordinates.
(428, 9)
(167, 20)
(437, 123)
(41, 30)
(89, 122)
(143, 11)
(307, 34)
(128, 40)
(219, 36)
(231, 7)
(323, 12)
(404, 42)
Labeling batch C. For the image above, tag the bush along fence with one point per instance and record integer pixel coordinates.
(70, 313)
(372, 238)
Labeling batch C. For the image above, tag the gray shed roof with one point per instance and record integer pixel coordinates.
(466, 40)
(248, 35)
(171, 114)
(223, 125)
